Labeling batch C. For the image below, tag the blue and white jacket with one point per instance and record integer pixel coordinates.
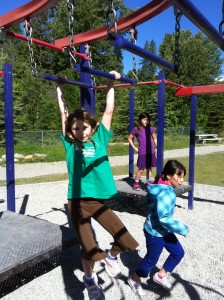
(161, 199)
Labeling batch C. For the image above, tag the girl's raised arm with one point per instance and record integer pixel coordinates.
(62, 107)
(108, 113)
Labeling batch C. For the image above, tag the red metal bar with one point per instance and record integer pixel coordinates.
(147, 12)
(200, 90)
(44, 44)
(128, 84)
(1, 73)
(173, 83)
(26, 11)
(149, 82)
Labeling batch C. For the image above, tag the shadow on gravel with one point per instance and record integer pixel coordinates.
(191, 290)
(205, 200)
(129, 205)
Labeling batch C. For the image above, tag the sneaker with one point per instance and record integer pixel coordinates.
(95, 291)
(136, 286)
(111, 266)
(136, 186)
(165, 282)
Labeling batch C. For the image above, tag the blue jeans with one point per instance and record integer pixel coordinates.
(154, 247)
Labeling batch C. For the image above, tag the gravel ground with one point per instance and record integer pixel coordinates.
(199, 275)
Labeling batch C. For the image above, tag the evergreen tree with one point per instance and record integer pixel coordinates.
(10, 56)
(200, 63)
(148, 69)
(215, 118)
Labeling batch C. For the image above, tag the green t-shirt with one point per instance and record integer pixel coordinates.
(89, 170)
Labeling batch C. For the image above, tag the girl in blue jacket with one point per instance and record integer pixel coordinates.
(160, 228)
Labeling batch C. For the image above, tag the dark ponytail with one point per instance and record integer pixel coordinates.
(171, 167)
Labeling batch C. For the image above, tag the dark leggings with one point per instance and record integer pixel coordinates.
(81, 212)
(155, 245)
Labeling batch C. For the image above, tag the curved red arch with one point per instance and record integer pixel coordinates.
(36, 7)
(26, 11)
(138, 17)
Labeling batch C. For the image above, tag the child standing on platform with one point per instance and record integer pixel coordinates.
(147, 141)
(159, 228)
(91, 183)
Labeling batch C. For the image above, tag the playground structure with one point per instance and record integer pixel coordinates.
(35, 7)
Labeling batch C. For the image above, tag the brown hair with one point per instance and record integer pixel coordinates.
(85, 116)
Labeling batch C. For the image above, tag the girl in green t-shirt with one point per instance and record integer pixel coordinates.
(91, 183)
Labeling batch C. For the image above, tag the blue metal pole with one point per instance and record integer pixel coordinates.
(9, 137)
(88, 70)
(87, 94)
(120, 42)
(192, 149)
(196, 17)
(160, 122)
(131, 126)
(67, 81)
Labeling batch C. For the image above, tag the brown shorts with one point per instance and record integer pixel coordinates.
(81, 211)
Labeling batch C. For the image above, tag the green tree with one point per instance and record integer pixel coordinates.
(215, 118)
(148, 69)
(200, 63)
(9, 55)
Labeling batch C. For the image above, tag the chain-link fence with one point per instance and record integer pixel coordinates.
(43, 137)
(52, 137)
(182, 130)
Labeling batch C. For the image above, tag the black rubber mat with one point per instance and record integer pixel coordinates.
(124, 187)
(25, 241)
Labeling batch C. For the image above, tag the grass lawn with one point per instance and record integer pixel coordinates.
(57, 152)
(208, 170)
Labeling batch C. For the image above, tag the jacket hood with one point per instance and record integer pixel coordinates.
(156, 188)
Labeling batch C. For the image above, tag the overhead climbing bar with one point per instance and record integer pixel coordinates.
(128, 84)
(63, 80)
(141, 83)
(122, 43)
(44, 44)
(88, 70)
(173, 83)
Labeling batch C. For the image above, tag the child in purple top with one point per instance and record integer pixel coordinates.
(147, 141)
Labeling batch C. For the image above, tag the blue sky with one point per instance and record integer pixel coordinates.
(155, 28)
